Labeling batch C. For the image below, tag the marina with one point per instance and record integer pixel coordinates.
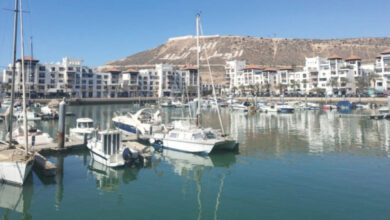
(269, 170)
(201, 126)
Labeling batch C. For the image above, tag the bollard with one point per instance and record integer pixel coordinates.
(61, 124)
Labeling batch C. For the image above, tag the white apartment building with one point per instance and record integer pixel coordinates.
(71, 78)
(382, 69)
(333, 75)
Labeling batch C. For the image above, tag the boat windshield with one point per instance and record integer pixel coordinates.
(85, 125)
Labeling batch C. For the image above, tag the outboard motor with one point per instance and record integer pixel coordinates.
(127, 155)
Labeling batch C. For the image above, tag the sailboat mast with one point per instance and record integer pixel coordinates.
(198, 119)
(24, 80)
(11, 114)
(30, 67)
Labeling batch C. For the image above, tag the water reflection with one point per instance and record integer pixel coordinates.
(193, 166)
(109, 179)
(305, 132)
(16, 198)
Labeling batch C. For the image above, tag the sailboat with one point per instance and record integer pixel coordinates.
(187, 137)
(16, 163)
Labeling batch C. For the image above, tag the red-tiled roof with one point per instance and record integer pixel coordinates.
(270, 70)
(286, 68)
(27, 58)
(190, 68)
(387, 51)
(334, 57)
(112, 70)
(249, 67)
(131, 71)
(353, 58)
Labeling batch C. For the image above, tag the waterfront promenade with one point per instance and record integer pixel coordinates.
(132, 100)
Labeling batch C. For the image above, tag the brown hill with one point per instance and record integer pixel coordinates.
(273, 52)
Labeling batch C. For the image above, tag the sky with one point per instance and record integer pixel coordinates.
(100, 30)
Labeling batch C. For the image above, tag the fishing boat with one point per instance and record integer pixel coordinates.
(15, 162)
(84, 128)
(106, 147)
(188, 137)
(145, 121)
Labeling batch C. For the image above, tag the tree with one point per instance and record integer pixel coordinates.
(234, 89)
(257, 88)
(360, 84)
(241, 88)
(333, 82)
(304, 82)
(372, 77)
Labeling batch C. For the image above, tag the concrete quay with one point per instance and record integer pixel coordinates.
(375, 100)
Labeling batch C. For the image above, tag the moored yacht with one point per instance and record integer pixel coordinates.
(145, 121)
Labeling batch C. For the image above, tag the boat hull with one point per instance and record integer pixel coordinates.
(112, 161)
(188, 146)
(126, 127)
(15, 172)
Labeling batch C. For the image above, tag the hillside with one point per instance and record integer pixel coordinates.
(273, 52)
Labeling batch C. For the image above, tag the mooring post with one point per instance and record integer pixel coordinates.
(61, 124)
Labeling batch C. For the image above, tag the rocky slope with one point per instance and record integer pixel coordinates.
(272, 52)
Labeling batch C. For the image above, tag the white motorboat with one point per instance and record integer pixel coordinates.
(189, 138)
(107, 148)
(244, 106)
(270, 108)
(178, 104)
(166, 103)
(6, 103)
(49, 110)
(84, 129)
(363, 106)
(145, 121)
(284, 108)
(383, 110)
(35, 136)
(31, 116)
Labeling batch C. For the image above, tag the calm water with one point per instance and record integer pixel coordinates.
(307, 165)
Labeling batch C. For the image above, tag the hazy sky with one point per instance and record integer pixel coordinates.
(100, 30)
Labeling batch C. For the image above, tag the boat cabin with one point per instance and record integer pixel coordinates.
(84, 123)
(111, 141)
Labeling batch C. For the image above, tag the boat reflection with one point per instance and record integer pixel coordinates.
(16, 198)
(109, 179)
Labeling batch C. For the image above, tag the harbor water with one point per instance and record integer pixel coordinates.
(306, 165)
